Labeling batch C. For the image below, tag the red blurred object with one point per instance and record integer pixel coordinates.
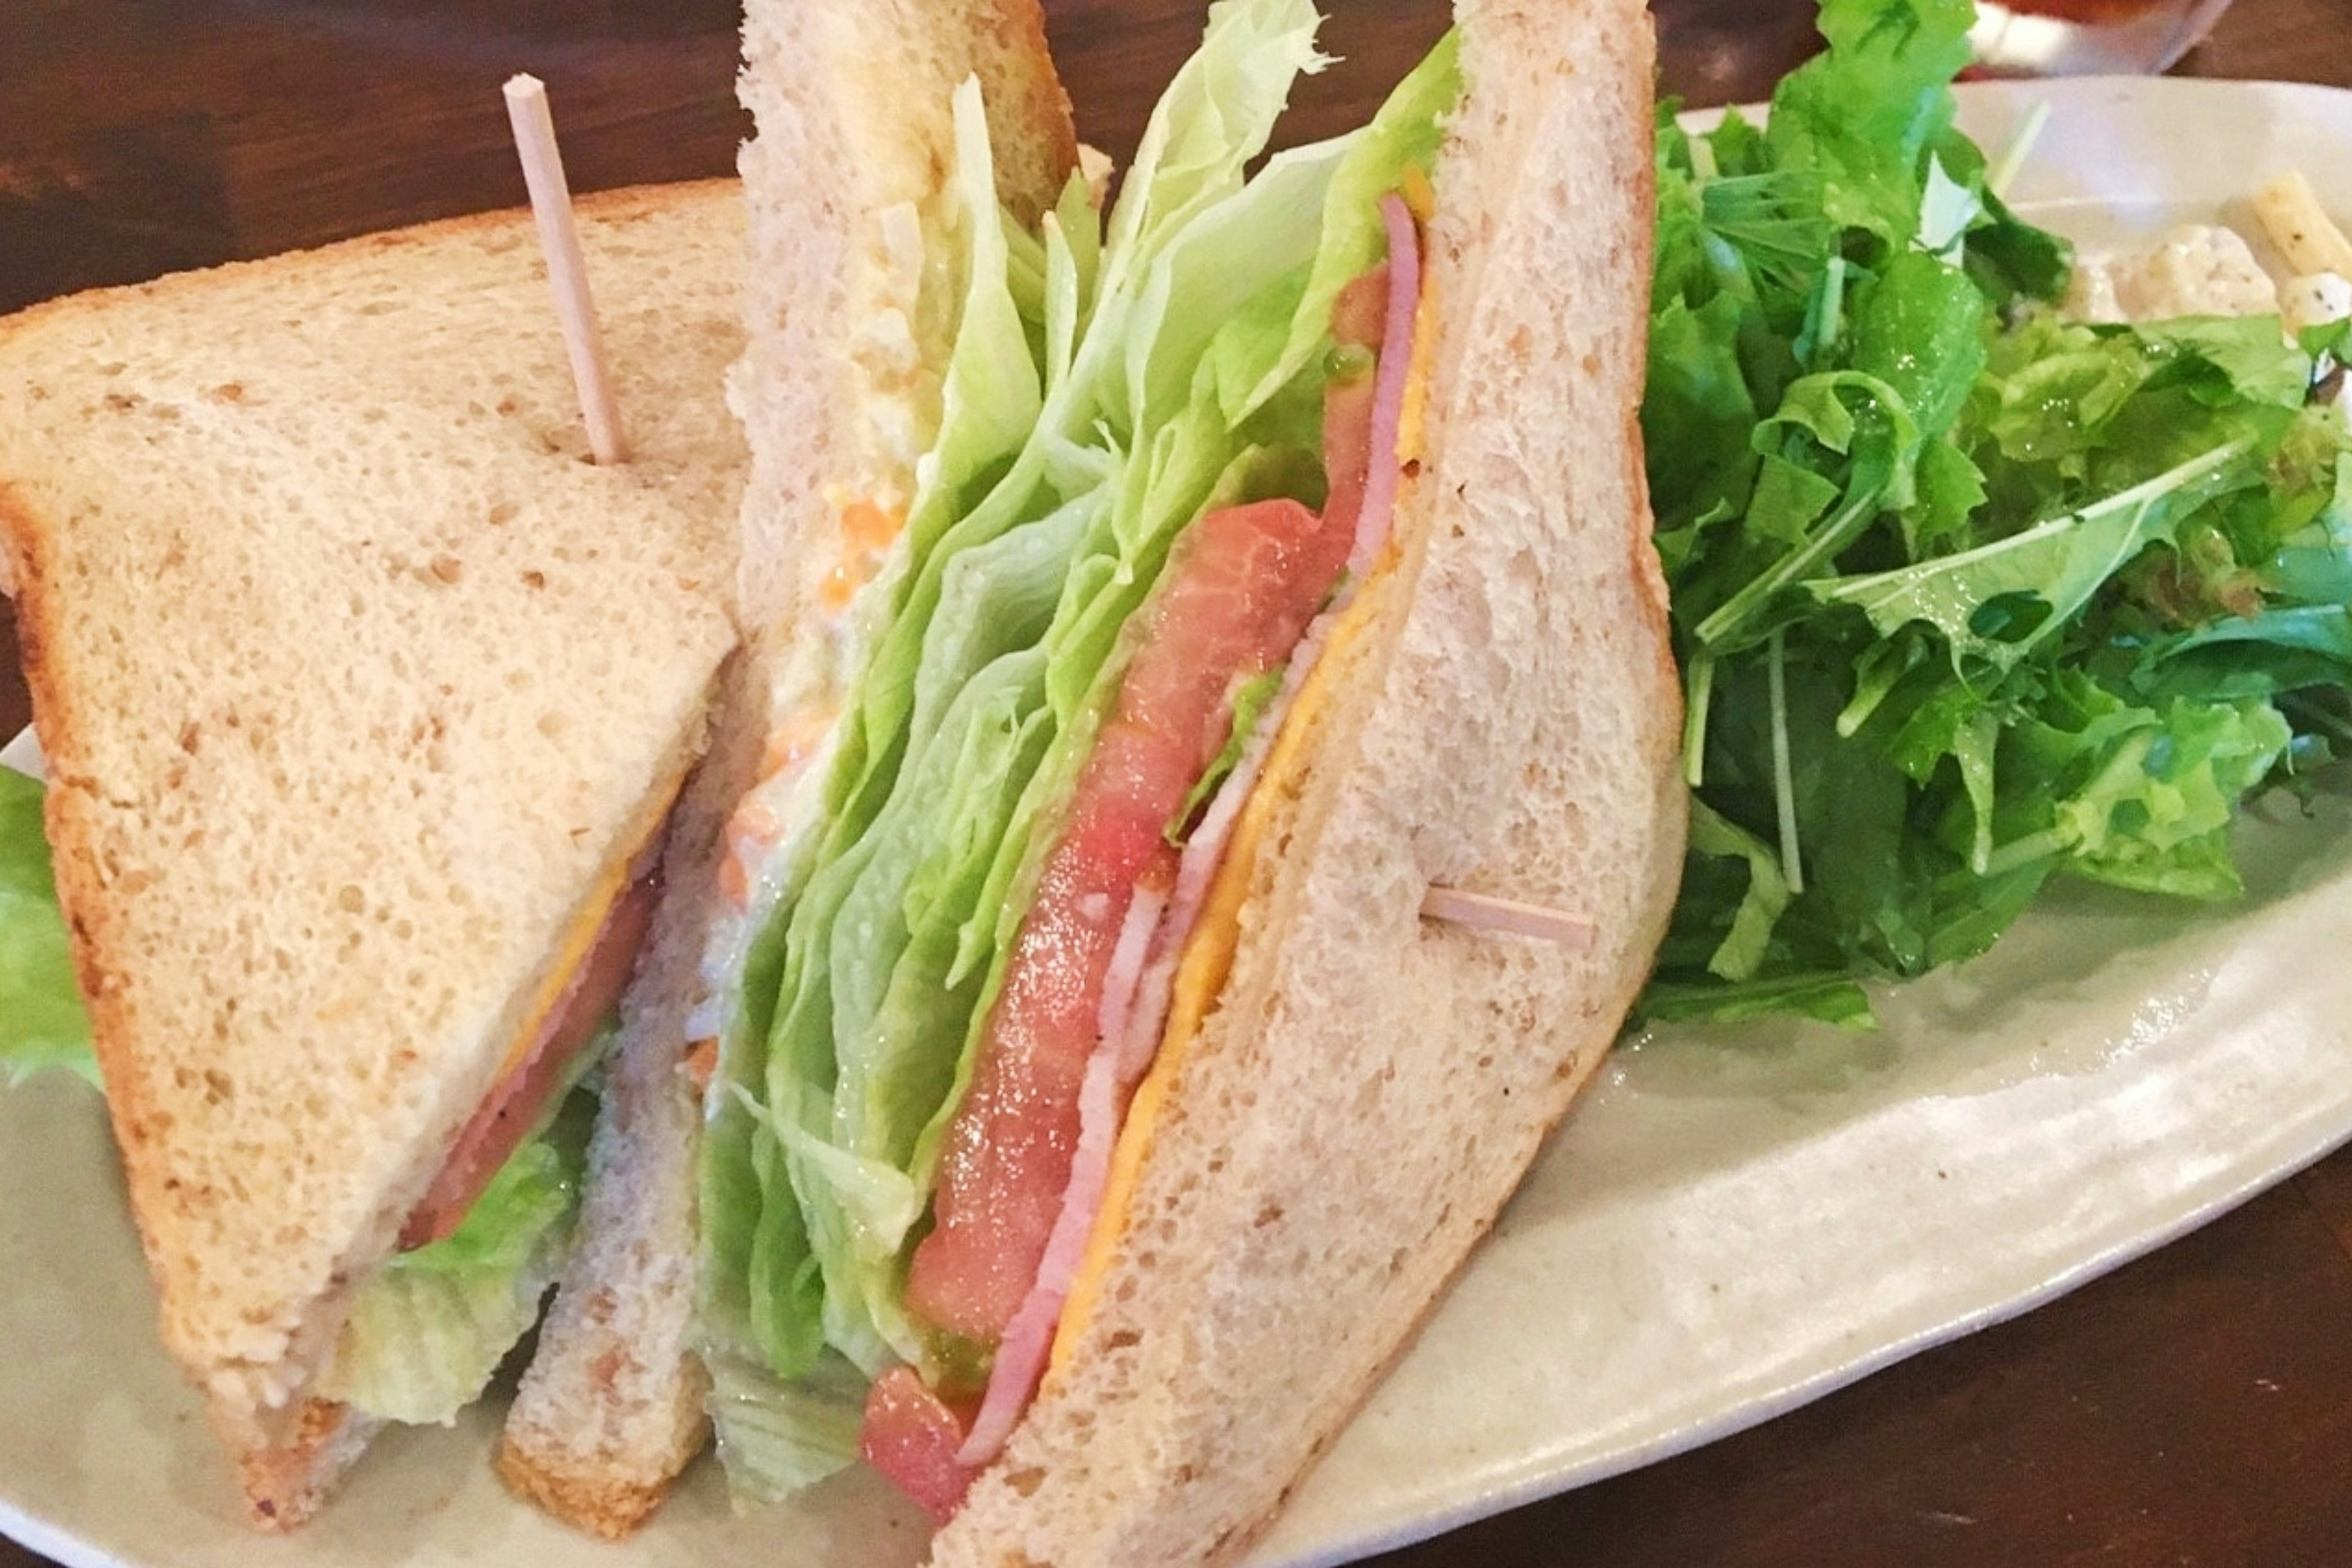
(2093, 13)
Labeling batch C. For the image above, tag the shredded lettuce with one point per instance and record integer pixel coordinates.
(42, 1024)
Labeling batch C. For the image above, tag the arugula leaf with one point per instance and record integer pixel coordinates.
(1864, 113)
(1919, 327)
(1742, 951)
(1999, 601)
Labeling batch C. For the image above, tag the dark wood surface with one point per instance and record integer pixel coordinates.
(2192, 1408)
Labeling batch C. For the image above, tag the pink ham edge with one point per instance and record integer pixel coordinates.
(1389, 383)
(1136, 1003)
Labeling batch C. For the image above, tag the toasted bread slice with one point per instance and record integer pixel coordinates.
(846, 177)
(359, 686)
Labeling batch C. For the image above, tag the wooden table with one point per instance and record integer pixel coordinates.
(2193, 1408)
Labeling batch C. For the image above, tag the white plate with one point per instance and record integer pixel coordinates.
(1723, 1230)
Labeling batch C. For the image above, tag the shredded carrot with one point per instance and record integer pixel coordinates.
(869, 527)
(756, 820)
(867, 531)
(841, 585)
(701, 1064)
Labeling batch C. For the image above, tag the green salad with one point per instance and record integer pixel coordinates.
(1966, 596)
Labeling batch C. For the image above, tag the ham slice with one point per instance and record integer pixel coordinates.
(520, 1100)
(1379, 505)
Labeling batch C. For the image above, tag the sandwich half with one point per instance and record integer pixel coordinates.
(365, 697)
(1106, 1039)
(859, 222)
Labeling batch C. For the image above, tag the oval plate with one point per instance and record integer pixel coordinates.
(1726, 1227)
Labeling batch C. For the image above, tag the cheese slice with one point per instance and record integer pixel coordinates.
(1415, 403)
(580, 937)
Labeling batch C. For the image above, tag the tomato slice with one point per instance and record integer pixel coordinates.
(521, 1100)
(1235, 600)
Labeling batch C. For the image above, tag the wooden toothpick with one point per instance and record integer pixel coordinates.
(567, 271)
(1487, 912)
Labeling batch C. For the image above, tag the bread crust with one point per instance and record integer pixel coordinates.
(287, 1482)
(609, 1508)
(620, 205)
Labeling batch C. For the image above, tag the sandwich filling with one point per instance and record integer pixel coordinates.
(482, 1247)
(427, 1330)
(549, 1054)
(1168, 447)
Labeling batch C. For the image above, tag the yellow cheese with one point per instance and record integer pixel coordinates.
(1208, 958)
(1416, 404)
(580, 937)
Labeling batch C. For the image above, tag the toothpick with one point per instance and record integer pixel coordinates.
(567, 271)
(1487, 912)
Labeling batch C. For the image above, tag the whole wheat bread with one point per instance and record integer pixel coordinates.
(853, 142)
(356, 680)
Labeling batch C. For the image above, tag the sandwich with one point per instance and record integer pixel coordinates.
(1200, 796)
(364, 699)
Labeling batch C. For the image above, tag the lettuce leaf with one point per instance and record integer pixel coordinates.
(42, 1024)
(1403, 136)
(776, 1437)
(987, 674)
(429, 1331)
